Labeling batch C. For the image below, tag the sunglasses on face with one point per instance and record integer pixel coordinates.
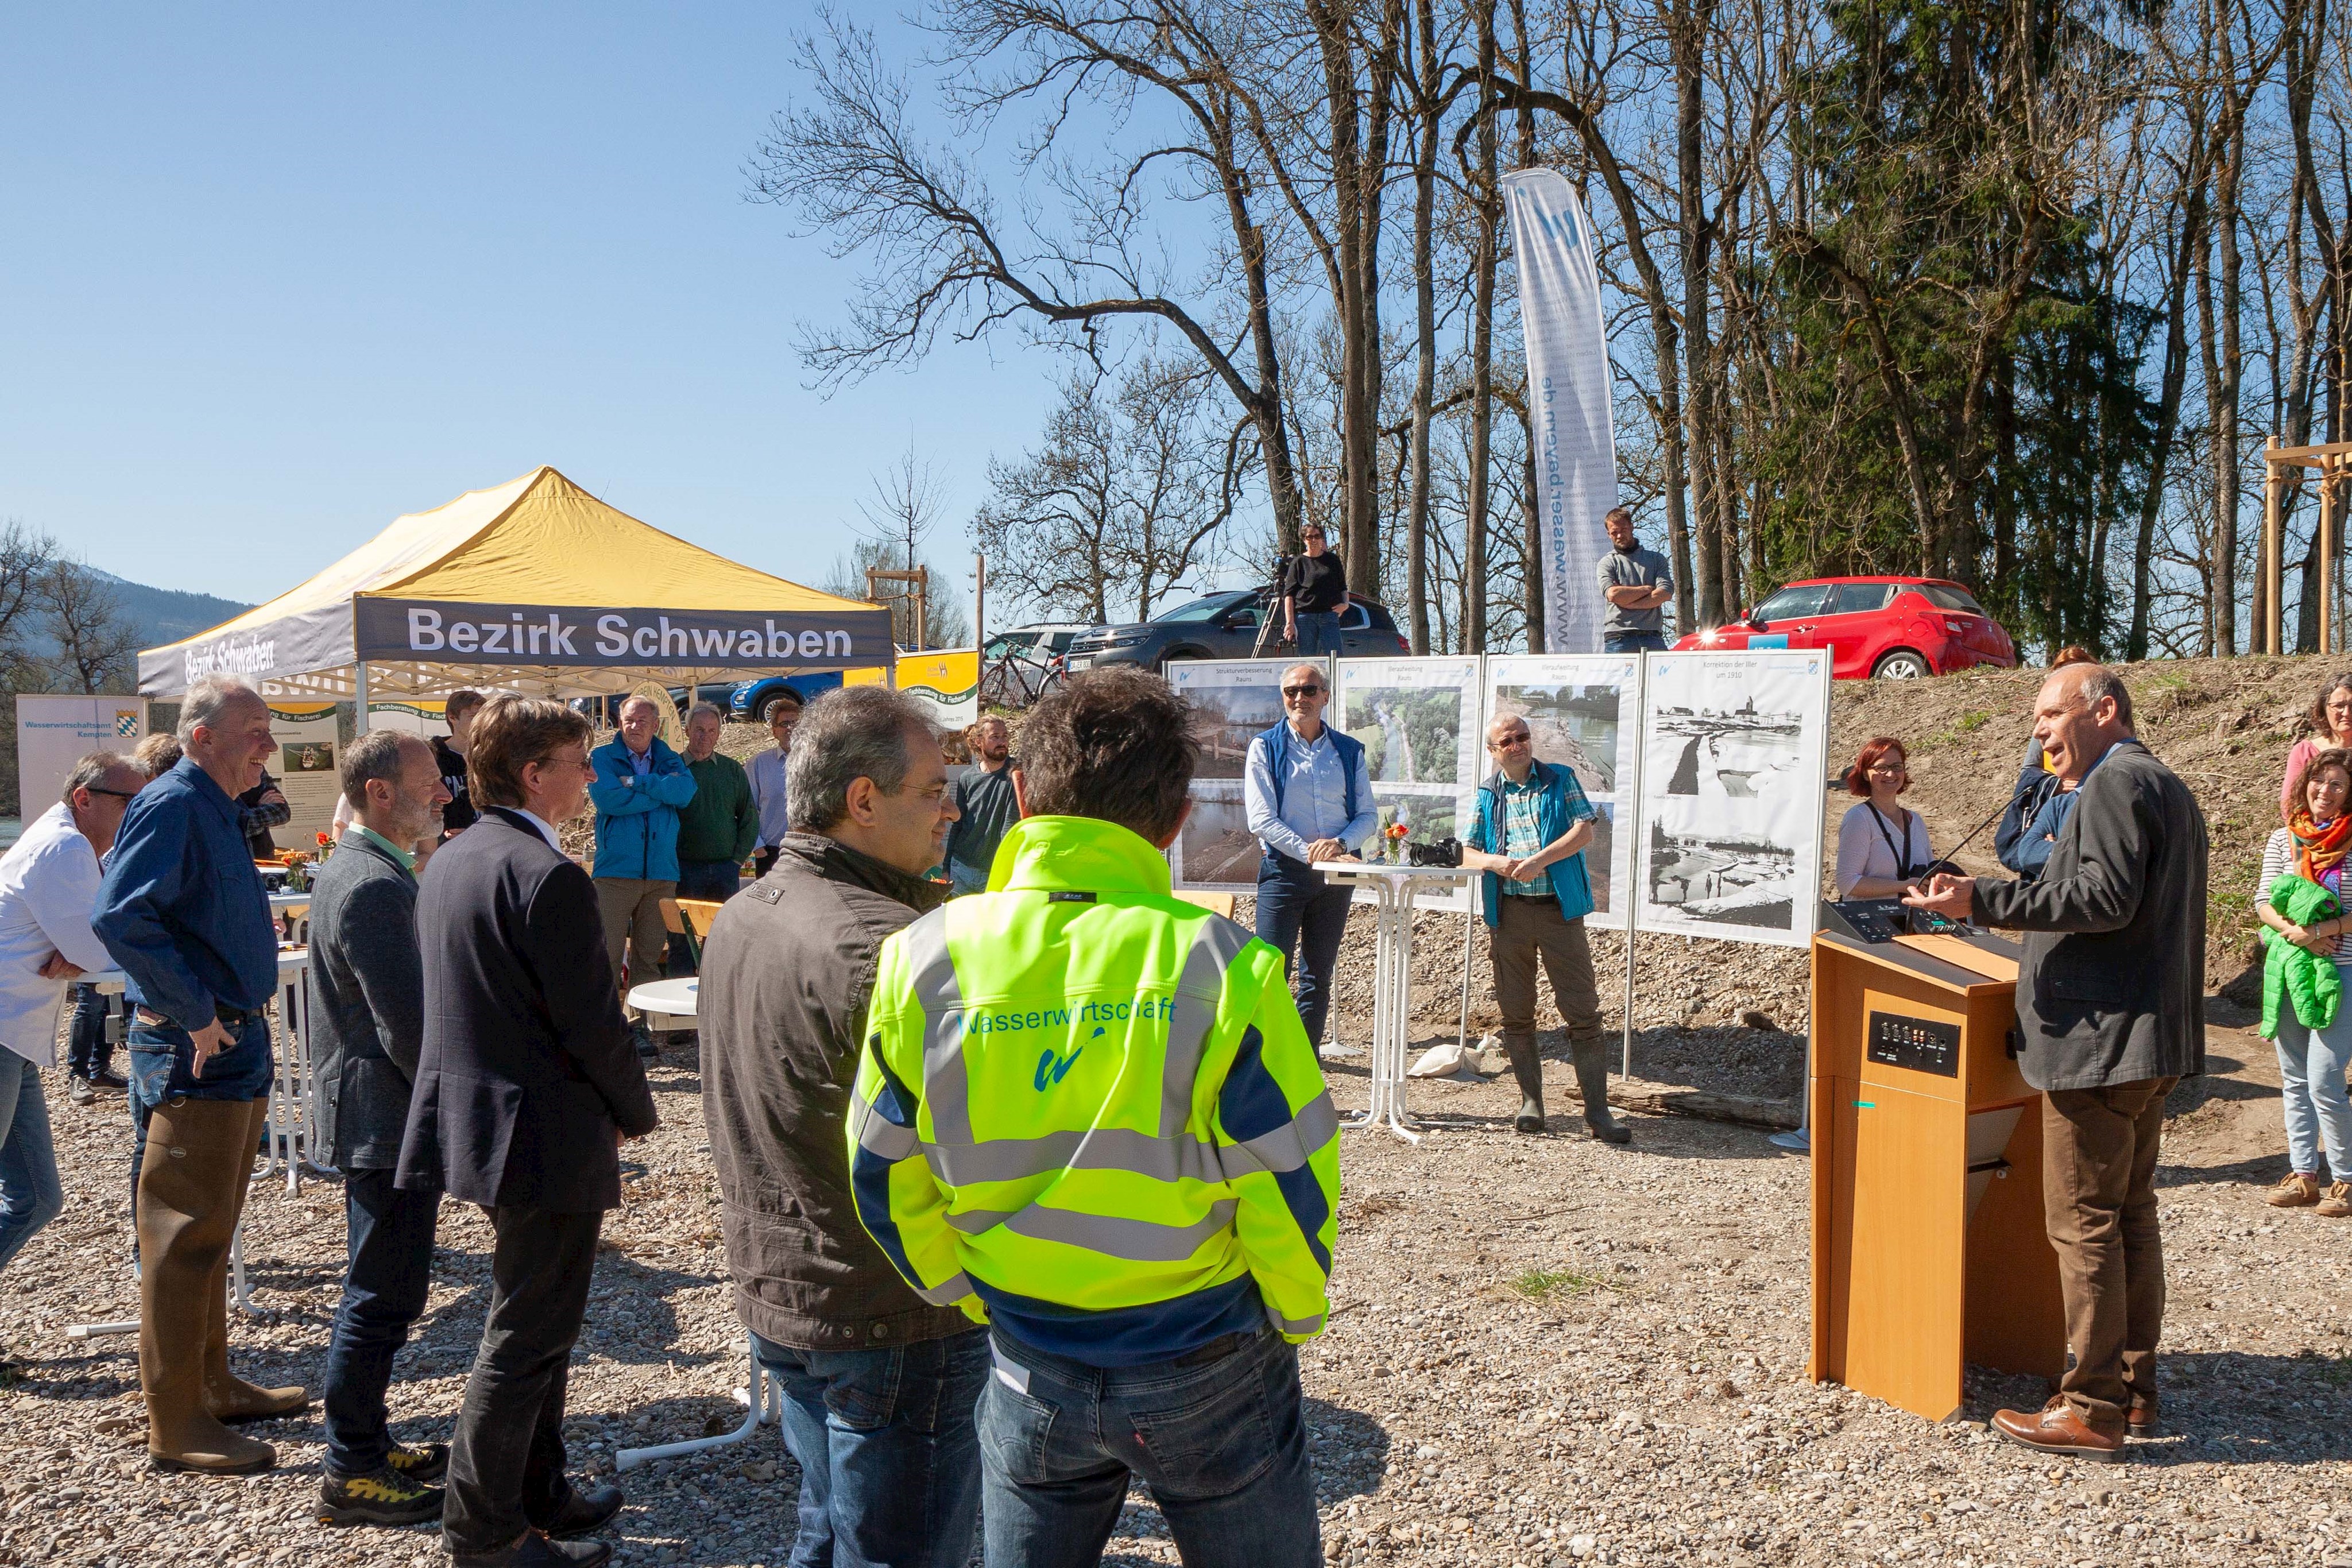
(118, 794)
(1501, 741)
(1302, 690)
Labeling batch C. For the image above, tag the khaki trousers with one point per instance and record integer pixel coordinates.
(2098, 1195)
(631, 907)
(1532, 931)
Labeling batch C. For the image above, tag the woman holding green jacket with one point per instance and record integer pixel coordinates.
(2309, 853)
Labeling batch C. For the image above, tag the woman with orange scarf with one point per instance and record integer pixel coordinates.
(2314, 845)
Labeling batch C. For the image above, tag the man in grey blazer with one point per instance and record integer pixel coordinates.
(2111, 1014)
(367, 1029)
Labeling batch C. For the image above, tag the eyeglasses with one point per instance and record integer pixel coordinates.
(1302, 690)
(118, 794)
(1888, 768)
(1501, 741)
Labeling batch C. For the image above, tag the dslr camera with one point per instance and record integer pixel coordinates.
(1446, 852)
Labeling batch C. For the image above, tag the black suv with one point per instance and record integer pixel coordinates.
(1225, 626)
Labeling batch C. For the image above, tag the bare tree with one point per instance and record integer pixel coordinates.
(97, 646)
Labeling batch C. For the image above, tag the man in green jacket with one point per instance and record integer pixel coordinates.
(717, 830)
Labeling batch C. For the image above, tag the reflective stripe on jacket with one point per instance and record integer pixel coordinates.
(1087, 1110)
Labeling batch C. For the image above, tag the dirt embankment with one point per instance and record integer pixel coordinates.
(2224, 725)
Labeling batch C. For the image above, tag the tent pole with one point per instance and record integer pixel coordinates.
(360, 692)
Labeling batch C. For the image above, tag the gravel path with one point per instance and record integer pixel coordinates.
(1543, 1350)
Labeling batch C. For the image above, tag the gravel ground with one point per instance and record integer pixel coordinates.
(1542, 1350)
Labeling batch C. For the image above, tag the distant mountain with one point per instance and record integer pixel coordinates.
(166, 615)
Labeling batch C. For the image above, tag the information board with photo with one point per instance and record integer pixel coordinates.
(1234, 702)
(1418, 720)
(1580, 711)
(1735, 748)
(306, 770)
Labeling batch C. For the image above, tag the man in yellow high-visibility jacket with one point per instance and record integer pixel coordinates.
(1087, 1113)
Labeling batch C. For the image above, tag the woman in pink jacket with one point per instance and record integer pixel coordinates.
(2327, 725)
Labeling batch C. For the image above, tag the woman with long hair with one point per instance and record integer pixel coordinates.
(2314, 846)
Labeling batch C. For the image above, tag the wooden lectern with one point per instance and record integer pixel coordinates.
(1928, 1246)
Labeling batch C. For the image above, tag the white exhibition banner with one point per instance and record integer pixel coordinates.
(1734, 749)
(53, 733)
(1418, 720)
(1568, 400)
(1233, 701)
(1580, 711)
(305, 772)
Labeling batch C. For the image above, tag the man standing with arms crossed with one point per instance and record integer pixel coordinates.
(449, 762)
(717, 830)
(366, 986)
(2111, 1011)
(986, 805)
(637, 784)
(1087, 1114)
(1308, 797)
(185, 915)
(1637, 583)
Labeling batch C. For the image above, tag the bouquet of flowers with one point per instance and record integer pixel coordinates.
(1396, 833)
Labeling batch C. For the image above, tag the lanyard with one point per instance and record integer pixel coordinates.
(1902, 861)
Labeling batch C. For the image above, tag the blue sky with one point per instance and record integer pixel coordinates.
(274, 276)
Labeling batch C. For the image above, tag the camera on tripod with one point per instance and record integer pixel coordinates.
(1446, 852)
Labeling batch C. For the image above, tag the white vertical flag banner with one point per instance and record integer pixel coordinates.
(1567, 399)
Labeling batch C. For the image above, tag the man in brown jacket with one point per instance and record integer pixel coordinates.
(878, 1387)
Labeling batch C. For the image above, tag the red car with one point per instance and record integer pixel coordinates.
(1899, 627)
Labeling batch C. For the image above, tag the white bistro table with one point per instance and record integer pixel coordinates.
(1396, 887)
(670, 1000)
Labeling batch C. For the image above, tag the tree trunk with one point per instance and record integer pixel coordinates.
(1424, 302)
(1531, 507)
(1482, 355)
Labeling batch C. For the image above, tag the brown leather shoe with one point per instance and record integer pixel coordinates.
(2059, 1428)
(2140, 1418)
(2295, 1190)
(2336, 1203)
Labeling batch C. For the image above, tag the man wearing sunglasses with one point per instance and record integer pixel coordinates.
(1533, 825)
(1308, 796)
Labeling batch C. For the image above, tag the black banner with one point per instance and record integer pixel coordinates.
(446, 632)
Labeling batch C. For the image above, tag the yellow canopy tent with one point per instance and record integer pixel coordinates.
(538, 587)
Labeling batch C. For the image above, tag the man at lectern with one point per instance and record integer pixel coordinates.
(2111, 1011)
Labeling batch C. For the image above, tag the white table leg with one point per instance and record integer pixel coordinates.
(764, 1394)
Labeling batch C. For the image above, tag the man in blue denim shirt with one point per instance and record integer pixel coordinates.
(184, 912)
(1308, 798)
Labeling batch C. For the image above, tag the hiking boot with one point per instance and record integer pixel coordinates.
(1592, 1080)
(2295, 1190)
(429, 1463)
(380, 1497)
(2059, 1428)
(2337, 1201)
(1527, 1069)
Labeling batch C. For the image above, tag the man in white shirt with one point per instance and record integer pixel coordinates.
(766, 772)
(49, 886)
(1309, 797)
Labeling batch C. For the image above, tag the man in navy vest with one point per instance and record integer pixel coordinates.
(1309, 799)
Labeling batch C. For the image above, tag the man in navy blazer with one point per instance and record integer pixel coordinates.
(527, 1086)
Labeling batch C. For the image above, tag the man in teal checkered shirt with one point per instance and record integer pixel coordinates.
(1534, 823)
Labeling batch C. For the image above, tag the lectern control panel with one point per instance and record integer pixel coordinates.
(1923, 1045)
(1876, 920)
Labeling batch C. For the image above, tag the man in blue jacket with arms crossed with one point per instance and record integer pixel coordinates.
(637, 786)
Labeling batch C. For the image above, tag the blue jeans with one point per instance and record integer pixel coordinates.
(1299, 908)
(30, 1195)
(2311, 1084)
(89, 1053)
(889, 1461)
(391, 1268)
(963, 879)
(1633, 643)
(1318, 633)
(1219, 1435)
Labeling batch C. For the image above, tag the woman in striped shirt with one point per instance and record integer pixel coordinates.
(2314, 845)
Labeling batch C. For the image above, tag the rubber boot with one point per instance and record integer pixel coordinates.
(199, 1153)
(228, 1396)
(1527, 1068)
(1592, 1080)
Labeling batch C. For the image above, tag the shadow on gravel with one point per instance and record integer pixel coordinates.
(2215, 1083)
(631, 1319)
(1349, 1449)
(2219, 1407)
(2261, 1170)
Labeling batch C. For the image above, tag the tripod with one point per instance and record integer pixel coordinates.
(1269, 608)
